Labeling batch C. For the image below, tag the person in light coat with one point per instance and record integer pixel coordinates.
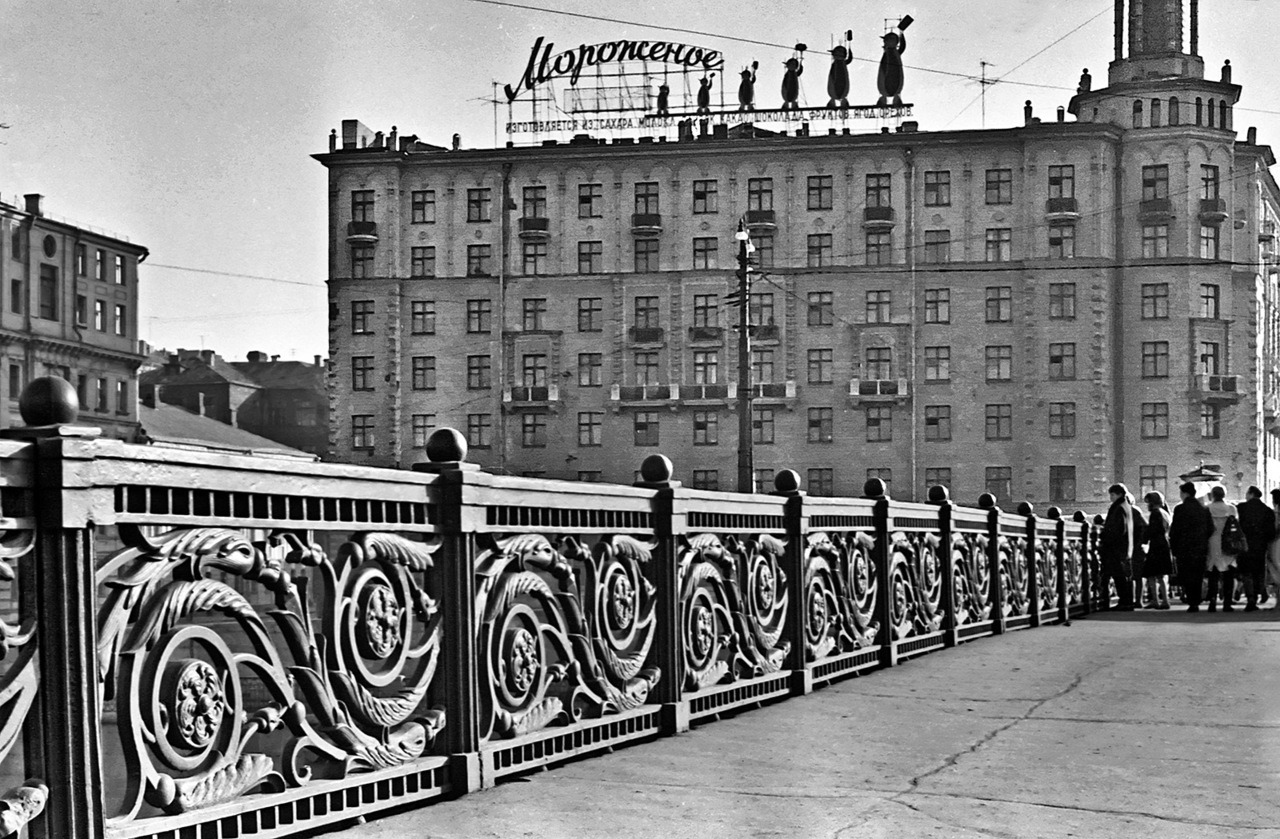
(1220, 565)
(1273, 557)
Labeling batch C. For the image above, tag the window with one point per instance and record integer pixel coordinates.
(533, 430)
(479, 430)
(479, 370)
(1062, 483)
(764, 249)
(1208, 183)
(1000, 483)
(706, 367)
(422, 317)
(422, 261)
(1153, 479)
(1155, 241)
(821, 309)
(15, 381)
(424, 372)
(760, 309)
(361, 311)
(1155, 182)
(534, 370)
(1155, 359)
(706, 428)
(1210, 301)
(1062, 419)
(879, 248)
(999, 244)
(761, 367)
(100, 315)
(706, 310)
(937, 423)
(1062, 361)
(1062, 241)
(937, 305)
(590, 257)
(647, 368)
(590, 200)
(760, 194)
(764, 480)
(999, 186)
(646, 255)
(479, 316)
(938, 476)
(1155, 113)
(121, 320)
(422, 204)
(999, 363)
(646, 316)
(646, 428)
(49, 292)
(534, 256)
(937, 189)
(708, 479)
(999, 422)
(362, 205)
(820, 192)
(590, 369)
(479, 204)
(82, 260)
(647, 198)
(879, 306)
(1155, 301)
(1210, 358)
(1174, 111)
(361, 429)
(478, 257)
(1155, 420)
(706, 252)
(99, 265)
(590, 314)
(820, 364)
(706, 196)
(820, 424)
(819, 250)
(821, 482)
(1062, 182)
(879, 193)
(937, 364)
(937, 246)
(1210, 421)
(122, 396)
(762, 425)
(1062, 301)
(534, 314)
(879, 423)
(534, 202)
(362, 372)
(15, 297)
(422, 425)
(82, 309)
(361, 261)
(999, 304)
(1209, 241)
(590, 428)
(120, 273)
(878, 363)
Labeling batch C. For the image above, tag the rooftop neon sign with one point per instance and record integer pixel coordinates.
(544, 67)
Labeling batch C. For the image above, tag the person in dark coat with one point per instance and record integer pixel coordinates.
(1159, 563)
(1139, 558)
(1115, 546)
(1189, 541)
(1258, 523)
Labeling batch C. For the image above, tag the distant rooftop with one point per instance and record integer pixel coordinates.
(22, 205)
(169, 425)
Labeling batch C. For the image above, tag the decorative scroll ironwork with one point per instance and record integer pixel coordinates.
(840, 591)
(1074, 558)
(733, 602)
(915, 584)
(1013, 575)
(18, 687)
(564, 632)
(972, 575)
(1047, 572)
(348, 688)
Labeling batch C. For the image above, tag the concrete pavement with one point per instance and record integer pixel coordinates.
(1142, 724)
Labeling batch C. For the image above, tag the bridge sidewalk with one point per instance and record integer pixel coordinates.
(1143, 724)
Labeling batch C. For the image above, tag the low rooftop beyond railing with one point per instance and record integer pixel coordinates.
(209, 644)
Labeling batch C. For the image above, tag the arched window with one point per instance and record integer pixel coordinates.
(1137, 113)
(1222, 115)
(1199, 111)
(1174, 116)
(1155, 113)
(1211, 109)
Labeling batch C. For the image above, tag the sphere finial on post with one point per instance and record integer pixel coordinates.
(786, 482)
(49, 400)
(874, 488)
(656, 469)
(446, 445)
(938, 494)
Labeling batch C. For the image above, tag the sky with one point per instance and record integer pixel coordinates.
(188, 125)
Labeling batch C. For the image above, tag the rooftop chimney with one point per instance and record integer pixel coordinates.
(33, 200)
(274, 359)
(1026, 112)
(317, 361)
(206, 356)
(255, 356)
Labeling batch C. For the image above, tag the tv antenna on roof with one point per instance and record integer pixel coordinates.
(984, 82)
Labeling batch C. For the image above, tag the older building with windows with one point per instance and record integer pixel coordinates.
(1035, 312)
(70, 308)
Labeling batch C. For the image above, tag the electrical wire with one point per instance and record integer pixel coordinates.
(230, 274)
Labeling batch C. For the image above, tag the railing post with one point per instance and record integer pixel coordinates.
(987, 501)
(655, 473)
(796, 522)
(1060, 564)
(1086, 558)
(1031, 553)
(446, 452)
(874, 489)
(950, 626)
(1101, 581)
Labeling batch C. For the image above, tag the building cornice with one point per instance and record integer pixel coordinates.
(70, 348)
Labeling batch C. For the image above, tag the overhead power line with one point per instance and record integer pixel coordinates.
(231, 274)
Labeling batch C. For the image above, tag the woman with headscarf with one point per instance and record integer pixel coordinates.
(1159, 562)
(1220, 564)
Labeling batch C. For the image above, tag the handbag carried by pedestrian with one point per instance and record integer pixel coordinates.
(1233, 541)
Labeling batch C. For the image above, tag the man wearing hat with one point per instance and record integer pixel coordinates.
(1189, 541)
(1258, 524)
(1116, 546)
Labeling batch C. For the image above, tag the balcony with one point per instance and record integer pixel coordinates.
(694, 393)
(877, 218)
(1271, 408)
(774, 390)
(873, 390)
(706, 334)
(362, 232)
(1217, 388)
(762, 221)
(768, 332)
(1156, 209)
(646, 224)
(644, 393)
(1213, 210)
(646, 334)
(525, 396)
(1061, 209)
(1267, 233)
(534, 229)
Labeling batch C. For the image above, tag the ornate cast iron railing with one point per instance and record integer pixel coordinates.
(203, 644)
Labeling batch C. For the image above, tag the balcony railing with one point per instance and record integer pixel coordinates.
(644, 393)
(697, 392)
(706, 334)
(535, 229)
(774, 390)
(362, 231)
(646, 224)
(1267, 233)
(767, 332)
(762, 220)
(872, 388)
(647, 334)
(877, 217)
(523, 393)
(1218, 388)
(1156, 209)
(1062, 209)
(1213, 210)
